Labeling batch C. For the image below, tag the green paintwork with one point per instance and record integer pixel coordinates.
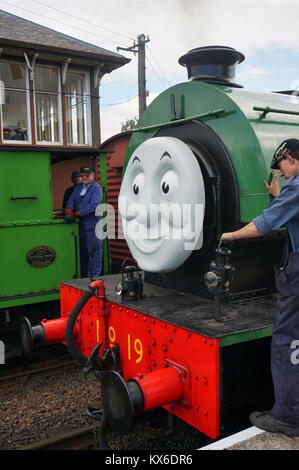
(28, 223)
(19, 278)
(249, 138)
(246, 336)
(104, 184)
(25, 174)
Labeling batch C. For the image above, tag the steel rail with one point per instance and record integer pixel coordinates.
(75, 440)
(42, 369)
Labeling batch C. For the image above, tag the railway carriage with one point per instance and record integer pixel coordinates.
(49, 127)
(196, 344)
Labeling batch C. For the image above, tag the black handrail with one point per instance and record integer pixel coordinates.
(15, 198)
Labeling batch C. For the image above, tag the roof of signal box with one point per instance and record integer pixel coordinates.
(17, 33)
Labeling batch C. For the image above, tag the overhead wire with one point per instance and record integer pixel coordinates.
(159, 67)
(120, 102)
(100, 36)
(81, 19)
(156, 73)
(58, 21)
(114, 32)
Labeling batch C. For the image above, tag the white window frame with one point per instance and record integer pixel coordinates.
(58, 93)
(88, 109)
(27, 92)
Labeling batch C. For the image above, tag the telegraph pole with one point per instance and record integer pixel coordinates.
(139, 48)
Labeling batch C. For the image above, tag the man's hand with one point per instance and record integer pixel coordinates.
(273, 188)
(69, 216)
(227, 237)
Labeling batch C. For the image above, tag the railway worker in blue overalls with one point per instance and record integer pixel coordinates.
(284, 210)
(83, 202)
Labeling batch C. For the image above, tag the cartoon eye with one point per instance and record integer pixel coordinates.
(138, 184)
(165, 187)
(169, 183)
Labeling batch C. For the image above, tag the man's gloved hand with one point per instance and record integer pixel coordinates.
(77, 213)
(69, 216)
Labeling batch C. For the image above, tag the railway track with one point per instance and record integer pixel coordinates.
(82, 439)
(44, 368)
(43, 407)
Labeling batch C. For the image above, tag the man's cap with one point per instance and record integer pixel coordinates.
(86, 169)
(286, 147)
(76, 174)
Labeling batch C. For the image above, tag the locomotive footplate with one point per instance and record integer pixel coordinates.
(211, 374)
(253, 317)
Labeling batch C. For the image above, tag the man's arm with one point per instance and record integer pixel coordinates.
(249, 231)
(284, 207)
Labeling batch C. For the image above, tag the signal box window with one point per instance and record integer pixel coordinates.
(14, 101)
(77, 108)
(47, 104)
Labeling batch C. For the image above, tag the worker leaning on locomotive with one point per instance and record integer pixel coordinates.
(284, 210)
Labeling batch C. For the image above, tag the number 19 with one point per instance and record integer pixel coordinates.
(137, 348)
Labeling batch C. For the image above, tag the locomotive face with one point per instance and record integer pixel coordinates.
(161, 203)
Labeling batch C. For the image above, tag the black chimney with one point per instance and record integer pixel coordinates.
(213, 64)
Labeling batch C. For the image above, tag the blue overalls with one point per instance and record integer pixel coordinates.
(89, 243)
(285, 338)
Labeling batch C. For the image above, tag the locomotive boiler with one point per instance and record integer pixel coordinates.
(195, 167)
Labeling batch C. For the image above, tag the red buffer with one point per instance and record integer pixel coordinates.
(145, 362)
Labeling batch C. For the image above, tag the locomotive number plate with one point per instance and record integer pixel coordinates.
(134, 345)
(41, 256)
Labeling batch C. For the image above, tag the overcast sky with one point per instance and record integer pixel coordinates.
(265, 31)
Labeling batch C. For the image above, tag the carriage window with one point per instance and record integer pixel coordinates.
(47, 104)
(14, 101)
(77, 108)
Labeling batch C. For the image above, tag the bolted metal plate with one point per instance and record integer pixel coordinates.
(41, 256)
(118, 404)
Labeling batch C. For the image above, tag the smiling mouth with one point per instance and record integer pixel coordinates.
(148, 246)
